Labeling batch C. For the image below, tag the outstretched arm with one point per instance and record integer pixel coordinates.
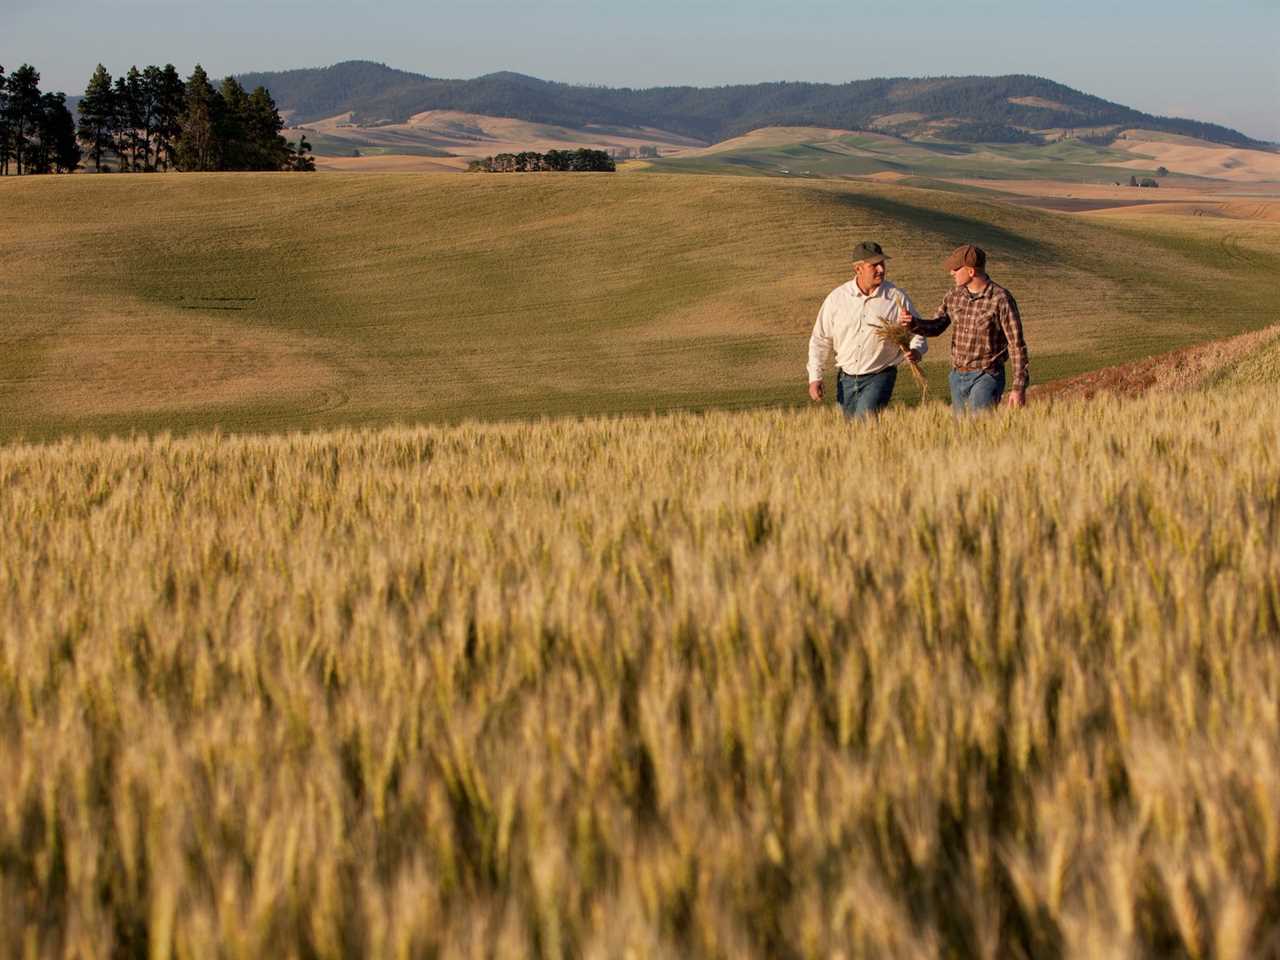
(926, 328)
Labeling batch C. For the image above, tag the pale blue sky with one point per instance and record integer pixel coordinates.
(1203, 60)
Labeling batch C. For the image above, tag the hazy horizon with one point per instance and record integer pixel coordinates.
(1184, 60)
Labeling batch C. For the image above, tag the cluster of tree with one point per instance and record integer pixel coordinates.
(1144, 182)
(144, 121)
(37, 131)
(151, 120)
(373, 92)
(528, 162)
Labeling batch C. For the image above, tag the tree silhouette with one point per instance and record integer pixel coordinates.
(6, 139)
(96, 113)
(198, 142)
(23, 112)
(167, 96)
(55, 150)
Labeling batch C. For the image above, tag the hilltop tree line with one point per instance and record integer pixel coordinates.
(529, 162)
(37, 131)
(145, 121)
(151, 120)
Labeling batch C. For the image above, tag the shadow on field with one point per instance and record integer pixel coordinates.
(952, 226)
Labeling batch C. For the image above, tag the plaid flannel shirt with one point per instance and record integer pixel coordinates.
(987, 329)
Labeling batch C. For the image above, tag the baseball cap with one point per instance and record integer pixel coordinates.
(967, 256)
(870, 251)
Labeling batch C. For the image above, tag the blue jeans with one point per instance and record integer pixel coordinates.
(976, 390)
(866, 393)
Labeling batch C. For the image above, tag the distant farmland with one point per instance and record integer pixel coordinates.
(259, 302)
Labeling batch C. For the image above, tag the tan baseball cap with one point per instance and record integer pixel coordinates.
(967, 256)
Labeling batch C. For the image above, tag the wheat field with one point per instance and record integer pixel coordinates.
(728, 685)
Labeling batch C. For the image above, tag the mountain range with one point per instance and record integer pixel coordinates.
(1005, 109)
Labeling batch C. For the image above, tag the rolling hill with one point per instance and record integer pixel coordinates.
(278, 301)
(1016, 108)
(808, 152)
(443, 134)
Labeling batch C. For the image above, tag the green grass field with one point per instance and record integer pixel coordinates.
(858, 155)
(335, 145)
(271, 302)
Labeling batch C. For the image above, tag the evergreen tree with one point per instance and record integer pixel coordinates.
(119, 125)
(233, 128)
(298, 157)
(168, 96)
(96, 116)
(58, 134)
(130, 119)
(150, 108)
(54, 148)
(5, 139)
(197, 141)
(23, 112)
(270, 150)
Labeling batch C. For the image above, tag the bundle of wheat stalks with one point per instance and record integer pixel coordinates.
(892, 332)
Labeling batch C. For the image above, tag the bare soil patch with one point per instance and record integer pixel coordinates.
(1177, 370)
(1042, 102)
(891, 120)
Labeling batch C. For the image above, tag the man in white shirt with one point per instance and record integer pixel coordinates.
(867, 367)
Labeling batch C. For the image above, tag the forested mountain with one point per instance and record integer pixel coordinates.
(976, 109)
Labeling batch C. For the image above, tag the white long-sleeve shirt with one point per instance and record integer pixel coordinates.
(845, 326)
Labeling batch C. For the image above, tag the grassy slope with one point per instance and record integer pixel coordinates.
(859, 155)
(277, 302)
(335, 145)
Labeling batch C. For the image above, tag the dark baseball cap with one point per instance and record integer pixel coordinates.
(967, 256)
(870, 251)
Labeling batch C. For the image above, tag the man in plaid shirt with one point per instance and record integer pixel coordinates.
(987, 331)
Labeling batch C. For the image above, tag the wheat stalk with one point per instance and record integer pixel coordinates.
(899, 336)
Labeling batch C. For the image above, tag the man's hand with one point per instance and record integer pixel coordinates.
(1016, 398)
(913, 356)
(815, 391)
(904, 317)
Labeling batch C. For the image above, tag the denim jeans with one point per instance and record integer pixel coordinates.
(976, 390)
(866, 393)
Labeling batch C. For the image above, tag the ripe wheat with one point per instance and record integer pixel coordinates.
(762, 684)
